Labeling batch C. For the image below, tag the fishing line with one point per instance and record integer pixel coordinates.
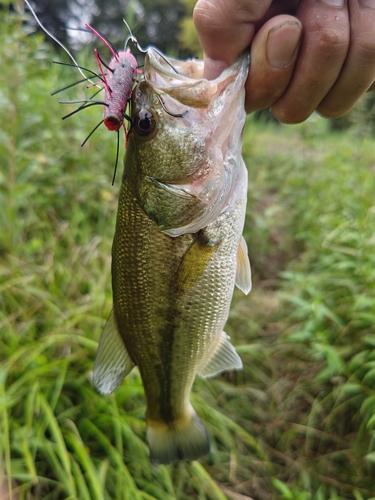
(132, 38)
(59, 43)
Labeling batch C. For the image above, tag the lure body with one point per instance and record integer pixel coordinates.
(118, 83)
(121, 76)
(119, 80)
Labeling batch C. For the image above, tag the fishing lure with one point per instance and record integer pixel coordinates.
(117, 83)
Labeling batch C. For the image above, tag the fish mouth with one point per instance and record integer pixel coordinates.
(175, 68)
(183, 80)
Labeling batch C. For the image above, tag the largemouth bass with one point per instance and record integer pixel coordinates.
(178, 250)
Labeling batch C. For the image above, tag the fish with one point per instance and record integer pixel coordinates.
(178, 249)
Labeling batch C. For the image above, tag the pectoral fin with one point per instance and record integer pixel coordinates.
(243, 272)
(224, 358)
(112, 362)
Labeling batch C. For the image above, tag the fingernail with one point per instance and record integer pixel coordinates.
(282, 43)
(212, 68)
(334, 3)
(368, 3)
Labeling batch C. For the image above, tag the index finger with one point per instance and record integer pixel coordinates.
(225, 29)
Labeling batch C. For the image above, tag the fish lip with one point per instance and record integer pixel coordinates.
(159, 63)
(183, 80)
(163, 65)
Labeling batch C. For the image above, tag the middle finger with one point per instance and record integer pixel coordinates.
(321, 56)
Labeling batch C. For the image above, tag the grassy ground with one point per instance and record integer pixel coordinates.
(297, 423)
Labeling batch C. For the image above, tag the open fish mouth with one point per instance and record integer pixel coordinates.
(183, 80)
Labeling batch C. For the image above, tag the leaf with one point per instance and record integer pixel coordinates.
(282, 488)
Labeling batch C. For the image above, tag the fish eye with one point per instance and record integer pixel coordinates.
(145, 122)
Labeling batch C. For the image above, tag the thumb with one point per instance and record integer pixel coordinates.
(274, 52)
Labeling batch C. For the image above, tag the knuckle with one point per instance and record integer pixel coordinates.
(207, 16)
(331, 41)
(328, 33)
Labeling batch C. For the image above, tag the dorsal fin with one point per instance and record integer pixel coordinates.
(112, 362)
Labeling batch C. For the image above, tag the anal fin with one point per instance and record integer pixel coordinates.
(223, 358)
(112, 362)
(243, 271)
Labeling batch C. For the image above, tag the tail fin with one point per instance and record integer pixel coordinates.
(184, 439)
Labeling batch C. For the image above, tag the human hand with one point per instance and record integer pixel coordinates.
(306, 55)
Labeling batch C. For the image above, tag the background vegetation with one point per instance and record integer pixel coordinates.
(297, 423)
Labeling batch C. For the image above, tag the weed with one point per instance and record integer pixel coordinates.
(298, 421)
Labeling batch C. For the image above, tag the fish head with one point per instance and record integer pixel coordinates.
(184, 154)
(169, 142)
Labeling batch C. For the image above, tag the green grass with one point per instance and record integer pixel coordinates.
(297, 423)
